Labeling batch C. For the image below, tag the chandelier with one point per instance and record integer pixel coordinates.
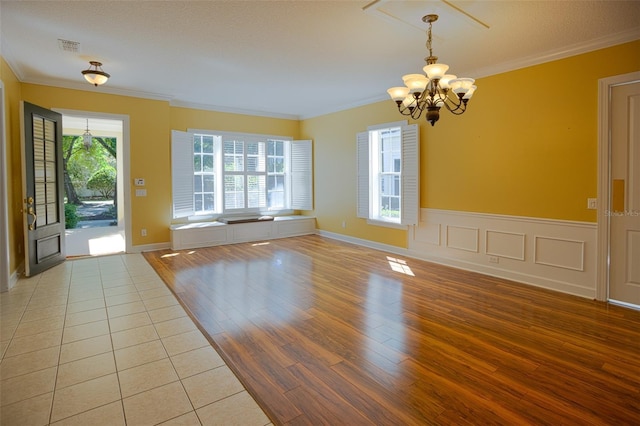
(94, 74)
(87, 138)
(431, 92)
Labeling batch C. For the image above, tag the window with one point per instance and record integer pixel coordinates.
(216, 173)
(388, 174)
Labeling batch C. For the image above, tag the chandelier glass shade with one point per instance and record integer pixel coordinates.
(428, 92)
(95, 75)
(87, 138)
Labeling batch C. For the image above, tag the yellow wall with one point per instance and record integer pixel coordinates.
(527, 146)
(151, 122)
(148, 146)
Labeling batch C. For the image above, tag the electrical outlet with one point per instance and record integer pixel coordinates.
(143, 232)
(494, 259)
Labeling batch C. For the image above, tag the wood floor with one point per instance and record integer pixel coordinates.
(324, 332)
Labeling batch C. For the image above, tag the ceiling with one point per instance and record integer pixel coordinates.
(293, 59)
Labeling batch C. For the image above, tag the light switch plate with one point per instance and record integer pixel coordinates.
(592, 203)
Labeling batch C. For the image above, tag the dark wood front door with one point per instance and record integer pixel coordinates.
(43, 211)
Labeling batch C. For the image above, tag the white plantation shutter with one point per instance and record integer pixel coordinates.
(410, 194)
(362, 167)
(302, 175)
(182, 173)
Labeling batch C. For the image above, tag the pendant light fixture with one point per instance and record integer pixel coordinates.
(95, 75)
(434, 90)
(87, 138)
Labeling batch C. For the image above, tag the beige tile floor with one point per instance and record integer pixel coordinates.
(102, 341)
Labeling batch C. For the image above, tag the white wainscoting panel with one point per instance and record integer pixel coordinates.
(462, 238)
(559, 252)
(554, 254)
(505, 244)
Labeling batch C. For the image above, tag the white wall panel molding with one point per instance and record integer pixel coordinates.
(462, 238)
(559, 252)
(505, 244)
(555, 254)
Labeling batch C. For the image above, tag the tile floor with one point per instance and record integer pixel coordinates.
(102, 341)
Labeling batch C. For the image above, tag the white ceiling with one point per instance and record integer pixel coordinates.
(294, 59)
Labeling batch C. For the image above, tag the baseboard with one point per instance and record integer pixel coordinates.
(365, 243)
(150, 247)
(15, 276)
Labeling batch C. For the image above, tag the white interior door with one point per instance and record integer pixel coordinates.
(624, 208)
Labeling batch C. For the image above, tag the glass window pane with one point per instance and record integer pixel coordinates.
(38, 128)
(197, 198)
(38, 149)
(51, 192)
(197, 183)
(52, 213)
(197, 163)
(253, 148)
(207, 144)
(41, 212)
(207, 163)
(50, 172)
(279, 165)
(280, 148)
(276, 200)
(197, 144)
(208, 202)
(40, 194)
(253, 164)
(39, 171)
(50, 130)
(208, 183)
(50, 151)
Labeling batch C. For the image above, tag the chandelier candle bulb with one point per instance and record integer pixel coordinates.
(428, 92)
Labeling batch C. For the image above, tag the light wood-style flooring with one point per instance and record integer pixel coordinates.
(324, 332)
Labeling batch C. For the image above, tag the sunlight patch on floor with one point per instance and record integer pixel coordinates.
(399, 265)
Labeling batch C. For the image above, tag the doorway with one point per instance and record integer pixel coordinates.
(619, 190)
(96, 194)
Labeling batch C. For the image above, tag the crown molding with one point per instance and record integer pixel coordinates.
(218, 108)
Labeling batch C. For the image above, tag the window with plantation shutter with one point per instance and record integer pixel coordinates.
(182, 173)
(302, 175)
(223, 173)
(388, 174)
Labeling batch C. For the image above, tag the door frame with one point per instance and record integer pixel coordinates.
(126, 173)
(5, 274)
(604, 177)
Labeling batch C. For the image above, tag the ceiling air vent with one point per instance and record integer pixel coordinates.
(68, 45)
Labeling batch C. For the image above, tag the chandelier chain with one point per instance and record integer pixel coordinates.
(429, 40)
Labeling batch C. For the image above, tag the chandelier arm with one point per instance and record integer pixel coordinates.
(457, 109)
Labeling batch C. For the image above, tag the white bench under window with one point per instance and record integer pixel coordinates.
(205, 234)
